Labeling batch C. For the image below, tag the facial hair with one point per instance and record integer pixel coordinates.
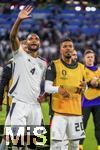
(31, 49)
(68, 56)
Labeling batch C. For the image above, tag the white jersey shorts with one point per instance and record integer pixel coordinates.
(24, 114)
(67, 127)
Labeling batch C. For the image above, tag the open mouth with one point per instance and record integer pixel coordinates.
(33, 45)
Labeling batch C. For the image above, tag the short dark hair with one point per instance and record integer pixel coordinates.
(88, 51)
(33, 34)
(65, 40)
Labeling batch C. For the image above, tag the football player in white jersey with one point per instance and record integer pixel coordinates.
(28, 73)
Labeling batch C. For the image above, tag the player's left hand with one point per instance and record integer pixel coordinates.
(82, 84)
(82, 87)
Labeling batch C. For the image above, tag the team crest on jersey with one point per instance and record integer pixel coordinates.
(64, 74)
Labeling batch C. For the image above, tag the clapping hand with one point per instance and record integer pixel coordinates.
(63, 92)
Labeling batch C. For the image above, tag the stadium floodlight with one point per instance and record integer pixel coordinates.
(77, 8)
(88, 8)
(93, 8)
(68, 1)
(21, 7)
(76, 2)
(12, 7)
(85, 2)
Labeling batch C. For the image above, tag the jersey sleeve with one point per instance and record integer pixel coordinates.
(51, 72)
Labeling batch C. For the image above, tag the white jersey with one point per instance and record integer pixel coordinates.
(28, 73)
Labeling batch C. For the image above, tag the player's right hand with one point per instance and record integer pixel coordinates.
(25, 13)
(0, 107)
(63, 92)
(41, 98)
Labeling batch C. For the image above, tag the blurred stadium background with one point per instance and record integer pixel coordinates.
(52, 20)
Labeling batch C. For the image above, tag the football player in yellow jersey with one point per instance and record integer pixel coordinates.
(74, 58)
(64, 79)
(91, 98)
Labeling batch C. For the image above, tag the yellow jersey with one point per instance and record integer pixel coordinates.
(69, 78)
(92, 93)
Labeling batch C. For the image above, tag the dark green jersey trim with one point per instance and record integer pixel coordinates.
(73, 65)
(51, 72)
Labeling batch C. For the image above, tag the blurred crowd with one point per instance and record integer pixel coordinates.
(52, 23)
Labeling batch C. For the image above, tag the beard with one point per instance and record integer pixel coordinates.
(33, 47)
(67, 56)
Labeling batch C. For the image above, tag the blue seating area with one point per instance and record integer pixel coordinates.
(53, 23)
(75, 20)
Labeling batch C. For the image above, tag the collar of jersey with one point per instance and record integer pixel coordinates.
(73, 65)
(93, 68)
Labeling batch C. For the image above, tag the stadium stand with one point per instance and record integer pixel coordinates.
(53, 23)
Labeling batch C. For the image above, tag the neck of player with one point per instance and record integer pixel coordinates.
(34, 54)
(67, 60)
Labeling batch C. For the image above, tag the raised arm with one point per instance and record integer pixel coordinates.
(23, 14)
